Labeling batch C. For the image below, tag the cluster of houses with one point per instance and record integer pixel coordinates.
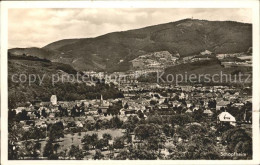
(140, 98)
(154, 60)
(202, 56)
(238, 59)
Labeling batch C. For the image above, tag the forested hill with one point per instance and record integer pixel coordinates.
(22, 91)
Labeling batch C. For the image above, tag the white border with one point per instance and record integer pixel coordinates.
(253, 4)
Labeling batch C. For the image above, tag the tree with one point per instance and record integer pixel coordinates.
(15, 134)
(101, 144)
(56, 131)
(94, 139)
(115, 122)
(153, 102)
(168, 130)
(63, 154)
(123, 155)
(140, 114)
(119, 142)
(201, 147)
(181, 119)
(144, 131)
(155, 119)
(37, 133)
(98, 155)
(237, 140)
(129, 126)
(197, 129)
(153, 143)
(53, 157)
(44, 114)
(143, 154)
(11, 115)
(98, 124)
(126, 106)
(89, 140)
(76, 152)
(48, 150)
(22, 115)
(183, 132)
(56, 147)
(114, 109)
(30, 149)
(99, 111)
(107, 137)
(86, 140)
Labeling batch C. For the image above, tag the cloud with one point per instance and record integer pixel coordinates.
(39, 27)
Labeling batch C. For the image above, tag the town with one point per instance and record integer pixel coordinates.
(149, 121)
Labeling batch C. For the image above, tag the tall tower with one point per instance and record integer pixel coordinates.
(53, 99)
(101, 100)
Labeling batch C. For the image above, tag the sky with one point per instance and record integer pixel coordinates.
(39, 27)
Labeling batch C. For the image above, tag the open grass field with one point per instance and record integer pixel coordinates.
(75, 139)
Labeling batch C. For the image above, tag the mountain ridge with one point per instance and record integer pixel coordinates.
(186, 37)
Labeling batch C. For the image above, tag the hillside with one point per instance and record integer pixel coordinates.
(206, 69)
(39, 52)
(20, 92)
(186, 37)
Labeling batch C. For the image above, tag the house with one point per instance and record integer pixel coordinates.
(188, 111)
(206, 52)
(161, 100)
(175, 103)
(226, 95)
(208, 112)
(163, 107)
(238, 105)
(36, 103)
(26, 127)
(221, 104)
(19, 109)
(197, 107)
(248, 100)
(127, 111)
(182, 96)
(32, 116)
(41, 124)
(186, 59)
(79, 124)
(92, 111)
(226, 117)
(137, 63)
(45, 104)
(52, 115)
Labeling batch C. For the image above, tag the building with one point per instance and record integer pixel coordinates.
(19, 109)
(208, 112)
(137, 63)
(226, 117)
(104, 105)
(53, 100)
(222, 104)
(206, 52)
